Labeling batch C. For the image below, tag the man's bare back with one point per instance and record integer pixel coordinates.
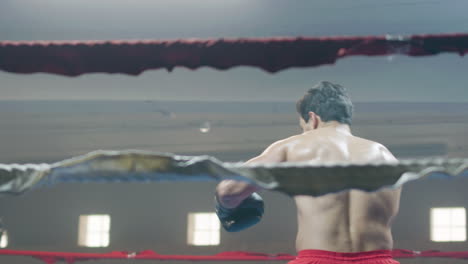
(351, 221)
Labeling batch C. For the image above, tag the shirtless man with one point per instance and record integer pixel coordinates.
(335, 228)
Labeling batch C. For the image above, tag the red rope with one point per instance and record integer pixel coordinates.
(72, 58)
(53, 257)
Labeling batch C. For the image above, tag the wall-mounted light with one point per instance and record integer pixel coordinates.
(203, 229)
(448, 224)
(3, 239)
(94, 231)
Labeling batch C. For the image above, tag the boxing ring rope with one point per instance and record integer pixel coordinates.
(289, 178)
(73, 58)
(68, 257)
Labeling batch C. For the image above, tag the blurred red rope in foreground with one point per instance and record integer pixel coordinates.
(72, 58)
(53, 257)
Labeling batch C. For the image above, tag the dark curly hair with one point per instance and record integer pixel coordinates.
(329, 101)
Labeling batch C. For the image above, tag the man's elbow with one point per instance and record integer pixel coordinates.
(231, 193)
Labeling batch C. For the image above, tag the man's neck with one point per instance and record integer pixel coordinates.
(334, 125)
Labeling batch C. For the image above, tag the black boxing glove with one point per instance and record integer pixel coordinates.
(247, 214)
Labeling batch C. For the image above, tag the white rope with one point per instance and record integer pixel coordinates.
(289, 178)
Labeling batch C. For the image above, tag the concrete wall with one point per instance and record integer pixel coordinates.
(154, 216)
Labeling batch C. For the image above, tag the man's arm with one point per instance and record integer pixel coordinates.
(231, 193)
(238, 206)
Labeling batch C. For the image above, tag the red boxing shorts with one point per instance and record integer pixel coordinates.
(329, 257)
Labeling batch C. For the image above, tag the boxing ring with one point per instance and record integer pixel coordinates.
(271, 55)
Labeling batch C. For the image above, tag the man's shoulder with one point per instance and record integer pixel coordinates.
(382, 153)
(286, 144)
(288, 140)
(369, 142)
(379, 151)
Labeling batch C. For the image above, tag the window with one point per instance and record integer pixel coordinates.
(203, 229)
(94, 231)
(4, 239)
(448, 224)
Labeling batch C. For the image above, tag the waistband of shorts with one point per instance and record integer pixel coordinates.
(376, 254)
